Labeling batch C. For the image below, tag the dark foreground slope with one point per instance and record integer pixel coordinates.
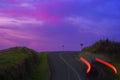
(17, 63)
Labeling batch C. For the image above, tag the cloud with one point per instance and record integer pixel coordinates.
(6, 21)
(6, 42)
(92, 25)
(87, 25)
(28, 6)
(17, 37)
(42, 23)
(50, 11)
(38, 11)
(8, 33)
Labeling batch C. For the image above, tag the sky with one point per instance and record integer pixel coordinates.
(45, 25)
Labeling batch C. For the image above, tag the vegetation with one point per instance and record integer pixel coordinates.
(105, 47)
(19, 63)
(41, 72)
(110, 49)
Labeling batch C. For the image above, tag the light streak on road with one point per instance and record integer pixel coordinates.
(107, 64)
(87, 63)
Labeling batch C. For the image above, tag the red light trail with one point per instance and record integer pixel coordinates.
(107, 64)
(87, 63)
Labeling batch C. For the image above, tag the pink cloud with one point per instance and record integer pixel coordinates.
(19, 22)
(41, 11)
(44, 12)
(8, 33)
(6, 42)
(10, 37)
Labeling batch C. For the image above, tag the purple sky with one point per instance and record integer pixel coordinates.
(47, 24)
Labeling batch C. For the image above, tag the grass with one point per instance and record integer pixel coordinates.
(9, 58)
(17, 63)
(21, 63)
(41, 72)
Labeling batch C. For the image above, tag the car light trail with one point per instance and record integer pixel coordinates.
(87, 63)
(107, 64)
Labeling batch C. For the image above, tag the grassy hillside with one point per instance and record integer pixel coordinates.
(107, 48)
(41, 72)
(17, 63)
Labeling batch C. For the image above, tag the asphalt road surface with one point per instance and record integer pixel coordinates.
(64, 66)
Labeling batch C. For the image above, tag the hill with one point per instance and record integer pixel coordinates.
(105, 47)
(17, 63)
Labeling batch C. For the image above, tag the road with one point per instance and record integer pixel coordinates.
(64, 66)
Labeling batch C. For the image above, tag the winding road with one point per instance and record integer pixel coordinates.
(64, 66)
